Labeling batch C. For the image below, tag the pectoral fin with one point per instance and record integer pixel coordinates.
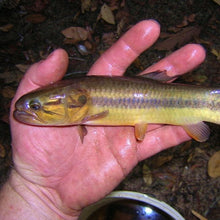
(200, 131)
(95, 116)
(159, 75)
(82, 132)
(140, 130)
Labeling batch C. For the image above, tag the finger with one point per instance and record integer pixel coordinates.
(116, 59)
(161, 139)
(44, 72)
(181, 61)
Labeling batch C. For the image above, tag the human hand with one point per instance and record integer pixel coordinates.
(53, 159)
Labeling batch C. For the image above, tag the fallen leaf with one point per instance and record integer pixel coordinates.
(74, 34)
(6, 27)
(198, 215)
(217, 1)
(191, 18)
(88, 45)
(22, 67)
(184, 22)
(85, 5)
(216, 53)
(123, 18)
(107, 15)
(39, 5)
(179, 39)
(147, 176)
(11, 76)
(2, 151)
(114, 4)
(35, 18)
(10, 3)
(8, 92)
(109, 38)
(214, 165)
(160, 160)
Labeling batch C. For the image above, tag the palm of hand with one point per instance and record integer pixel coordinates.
(80, 173)
(56, 158)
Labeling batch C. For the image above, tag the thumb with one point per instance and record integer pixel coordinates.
(44, 72)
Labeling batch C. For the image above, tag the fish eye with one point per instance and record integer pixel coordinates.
(82, 99)
(34, 105)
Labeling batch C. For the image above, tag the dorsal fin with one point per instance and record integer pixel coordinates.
(160, 75)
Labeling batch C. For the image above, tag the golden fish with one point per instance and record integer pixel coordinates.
(122, 101)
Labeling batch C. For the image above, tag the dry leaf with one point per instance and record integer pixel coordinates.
(108, 38)
(214, 165)
(147, 176)
(35, 18)
(6, 27)
(8, 92)
(107, 15)
(2, 151)
(11, 76)
(184, 22)
(217, 1)
(160, 160)
(216, 53)
(191, 18)
(178, 39)
(9, 3)
(75, 34)
(85, 5)
(198, 215)
(22, 67)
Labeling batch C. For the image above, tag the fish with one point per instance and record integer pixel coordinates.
(122, 101)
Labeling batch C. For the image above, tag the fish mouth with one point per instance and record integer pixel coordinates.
(27, 117)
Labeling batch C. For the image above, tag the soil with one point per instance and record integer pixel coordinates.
(30, 30)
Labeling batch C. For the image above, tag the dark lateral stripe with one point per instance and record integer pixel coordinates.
(149, 103)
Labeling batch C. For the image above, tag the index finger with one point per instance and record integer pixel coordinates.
(117, 58)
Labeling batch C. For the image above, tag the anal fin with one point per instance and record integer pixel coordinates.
(140, 130)
(200, 131)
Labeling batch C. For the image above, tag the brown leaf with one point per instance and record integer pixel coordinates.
(8, 92)
(198, 215)
(184, 22)
(179, 38)
(217, 1)
(2, 151)
(107, 15)
(35, 18)
(214, 165)
(22, 67)
(108, 38)
(85, 5)
(11, 76)
(147, 175)
(160, 160)
(74, 34)
(6, 27)
(216, 53)
(38, 5)
(191, 18)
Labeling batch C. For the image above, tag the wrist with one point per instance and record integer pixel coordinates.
(23, 199)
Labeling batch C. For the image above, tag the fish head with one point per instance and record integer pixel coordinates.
(52, 107)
